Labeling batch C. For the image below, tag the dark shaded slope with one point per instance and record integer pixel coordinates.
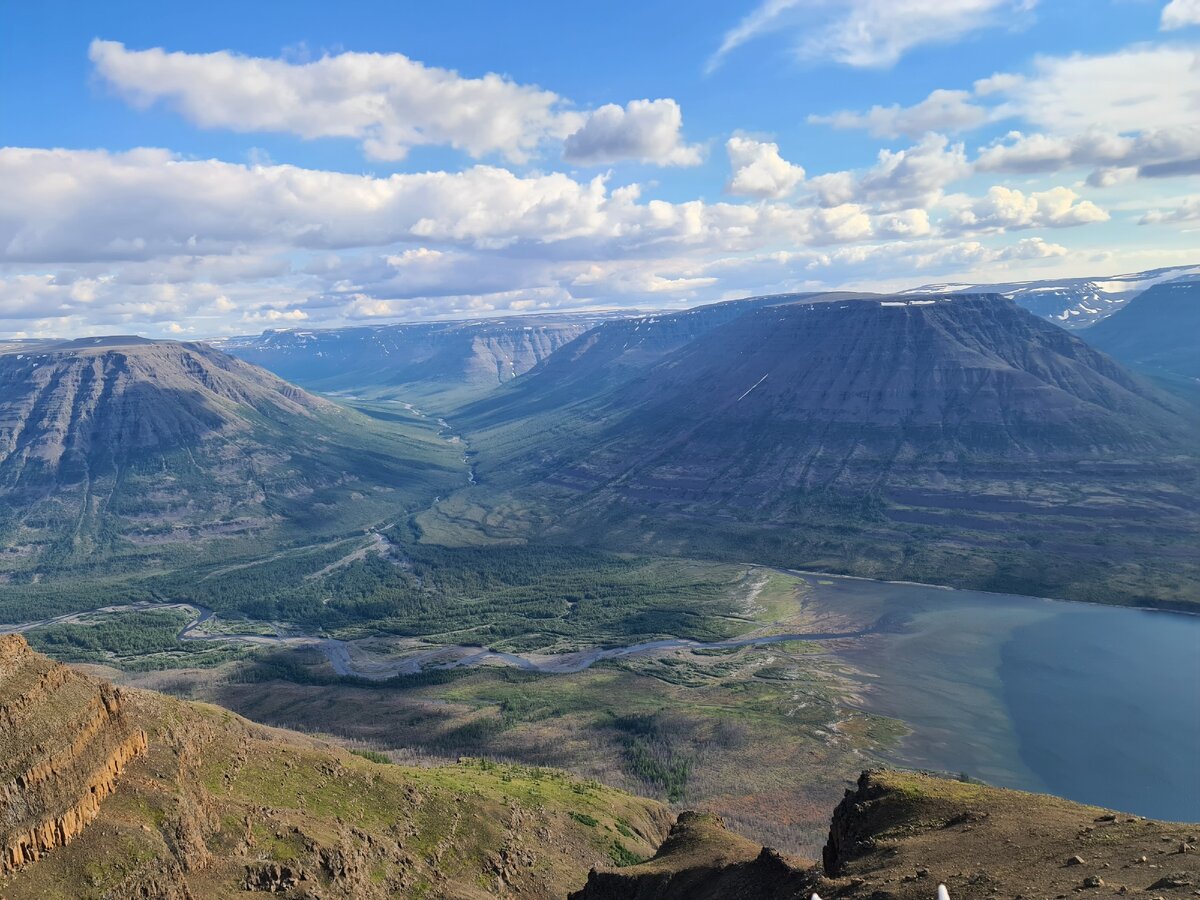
(1157, 333)
(957, 439)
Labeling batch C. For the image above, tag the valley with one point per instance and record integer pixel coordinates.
(612, 564)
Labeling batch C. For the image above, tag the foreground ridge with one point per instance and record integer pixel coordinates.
(209, 805)
(911, 836)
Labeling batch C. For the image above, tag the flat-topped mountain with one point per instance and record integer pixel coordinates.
(119, 446)
(947, 412)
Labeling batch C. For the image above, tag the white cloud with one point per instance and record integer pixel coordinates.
(1140, 88)
(759, 170)
(1006, 208)
(1130, 112)
(913, 177)
(1186, 212)
(127, 240)
(645, 130)
(387, 101)
(868, 32)
(1180, 13)
(942, 111)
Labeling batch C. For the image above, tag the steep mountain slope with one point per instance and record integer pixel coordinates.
(115, 794)
(898, 835)
(953, 413)
(1158, 332)
(123, 447)
(418, 359)
(1070, 302)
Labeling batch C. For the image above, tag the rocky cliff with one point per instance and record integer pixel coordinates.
(898, 835)
(419, 360)
(64, 742)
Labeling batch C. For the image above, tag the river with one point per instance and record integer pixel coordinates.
(1097, 704)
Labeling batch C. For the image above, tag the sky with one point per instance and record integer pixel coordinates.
(217, 168)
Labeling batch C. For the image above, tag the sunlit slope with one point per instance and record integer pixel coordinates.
(123, 452)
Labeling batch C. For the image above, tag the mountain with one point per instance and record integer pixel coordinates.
(1157, 333)
(418, 359)
(116, 793)
(846, 433)
(125, 448)
(899, 835)
(1070, 302)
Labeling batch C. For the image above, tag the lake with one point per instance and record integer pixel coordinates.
(1097, 704)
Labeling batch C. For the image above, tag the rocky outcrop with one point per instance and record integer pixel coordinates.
(899, 835)
(702, 860)
(64, 742)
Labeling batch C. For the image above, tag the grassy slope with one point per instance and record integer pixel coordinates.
(217, 797)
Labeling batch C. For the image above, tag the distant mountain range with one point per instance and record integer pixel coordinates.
(1070, 302)
(418, 359)
(128, 448)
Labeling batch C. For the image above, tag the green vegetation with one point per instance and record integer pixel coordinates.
(138, 641)
(374, 756)
(514, 598)
(623, 856)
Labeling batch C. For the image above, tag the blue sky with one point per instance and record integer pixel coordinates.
(192, 169)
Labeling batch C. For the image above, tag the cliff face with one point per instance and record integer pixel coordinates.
(421, 358)
(64, 742)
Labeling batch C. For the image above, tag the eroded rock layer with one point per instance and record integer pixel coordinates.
(64, 741)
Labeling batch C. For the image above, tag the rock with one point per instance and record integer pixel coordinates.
(1174, 880)
(1093, 881)
(1075, 861)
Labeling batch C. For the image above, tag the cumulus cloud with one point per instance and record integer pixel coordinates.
(1006, 208)
(128, 240)
(941, 111)
(1126, 113)
(870, 33)
(913, 177)
(759, 170)
(649, 131)
(1180, 13)
(386, 101)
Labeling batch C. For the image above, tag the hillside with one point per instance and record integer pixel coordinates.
(420, 361)
(118, 793)
(1073, 303)
(1157, 333)
(910, 431)
(123, 452)
(899, 835)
